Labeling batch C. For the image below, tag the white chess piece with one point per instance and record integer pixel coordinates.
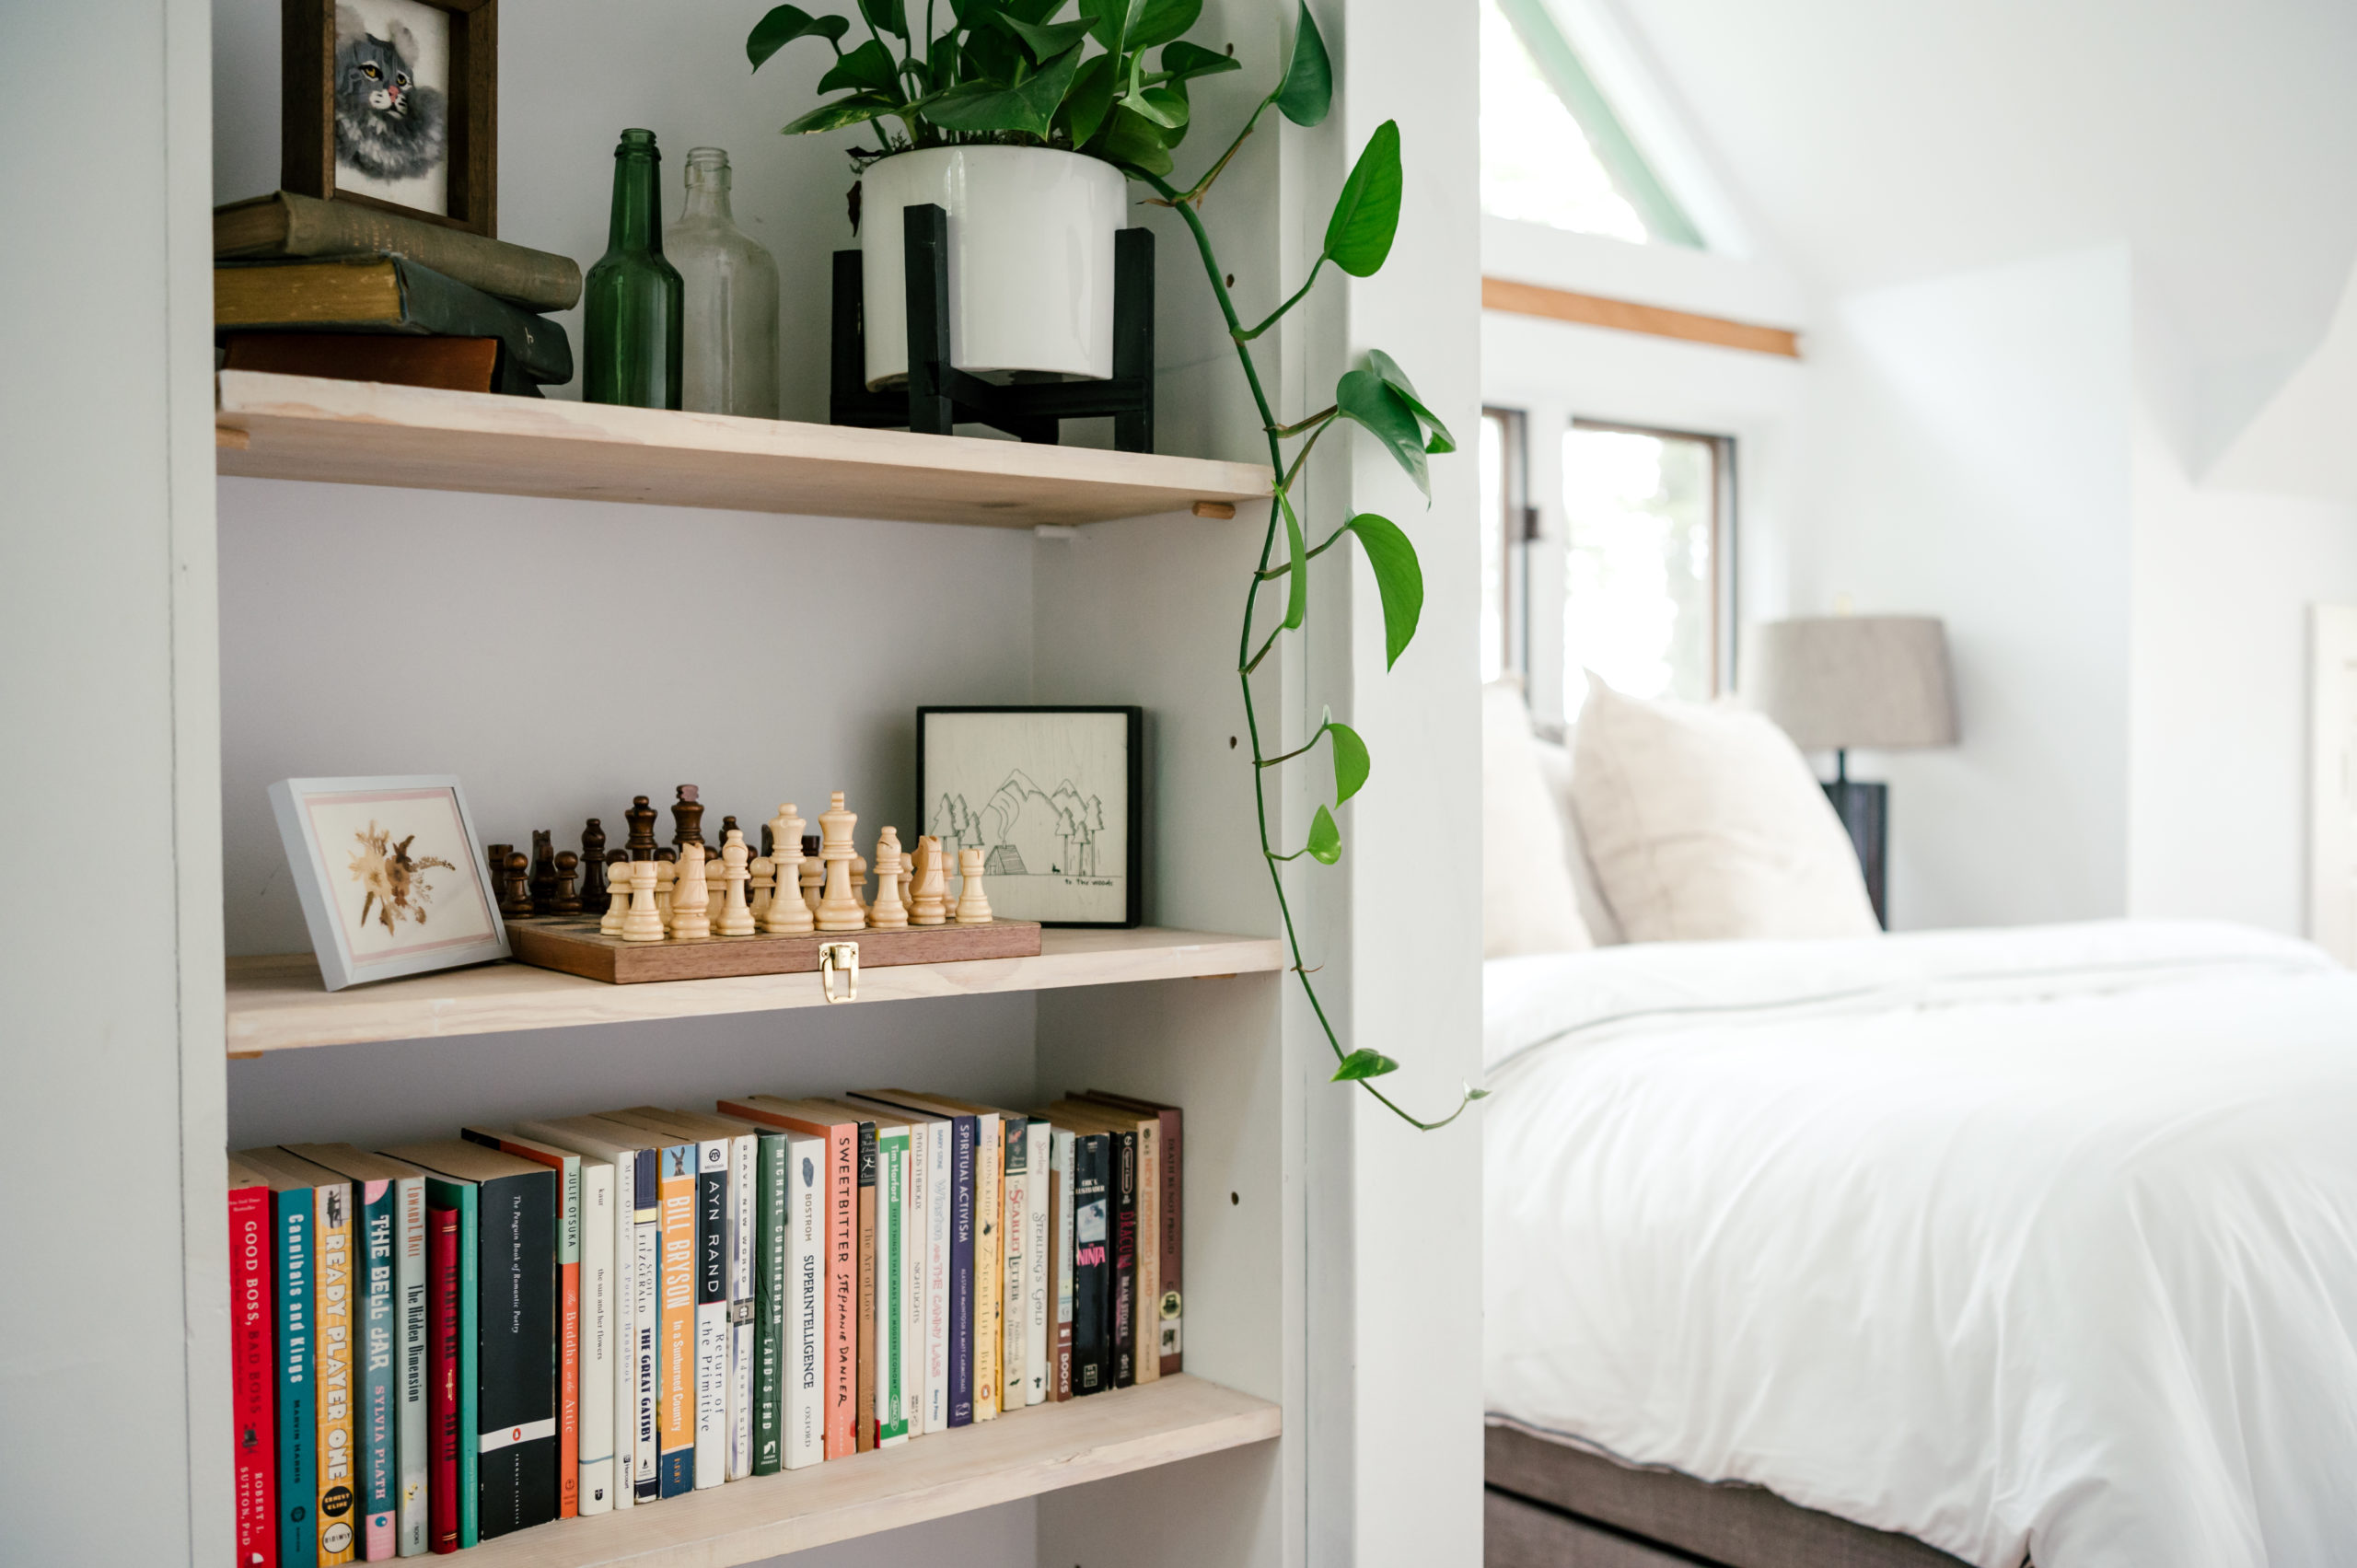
(838, 906)
(928, 900)
(973, 905)
(617, 885)
(889, 914)
(787, 913)
(764, 883)
(716, 885)
(645, 922)
(736, 920)
(814, 875)
(691, 900)
(667, 880)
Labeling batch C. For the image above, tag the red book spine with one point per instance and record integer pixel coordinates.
(442, 1379)
(253, 1376)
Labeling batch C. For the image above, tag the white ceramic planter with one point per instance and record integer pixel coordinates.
(1030, 258)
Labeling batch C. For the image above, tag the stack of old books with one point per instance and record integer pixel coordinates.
(308, 287)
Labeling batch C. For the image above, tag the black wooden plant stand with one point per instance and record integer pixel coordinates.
(940, 395)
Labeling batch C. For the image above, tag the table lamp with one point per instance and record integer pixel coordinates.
(1874, 682)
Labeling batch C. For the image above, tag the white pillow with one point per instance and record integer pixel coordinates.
(1596, 911)
(1704, 823)
(1527, 905)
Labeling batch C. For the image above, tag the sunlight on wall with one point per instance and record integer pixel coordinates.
(1537, 165)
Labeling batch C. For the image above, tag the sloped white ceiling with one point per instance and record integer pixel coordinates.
(1880, 141)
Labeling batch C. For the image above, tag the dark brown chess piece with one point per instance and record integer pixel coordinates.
(593, 892)
(769, 842)
(641, 817)
(688, 813)
(566, 898)
(543, 882)
(495, 857)
(720, 839)
(516, 890)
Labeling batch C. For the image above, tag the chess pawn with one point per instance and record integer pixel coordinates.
(736, 920)
(715, 886)
(764, 883)
(516, 896)
(618, 889)
(691, 903)
(567, 898)
(814, 872)
(973, 906)
(667, 882)
(593, 865)
(838, 906)
(929, 904)
(859, 881)
(495, 857)
(645, 920)
(889, 914)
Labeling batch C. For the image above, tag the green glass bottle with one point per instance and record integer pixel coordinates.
(635, 301)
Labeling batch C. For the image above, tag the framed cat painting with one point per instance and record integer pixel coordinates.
(394, 104)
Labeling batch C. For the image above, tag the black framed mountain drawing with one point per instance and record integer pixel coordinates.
(1051, 795)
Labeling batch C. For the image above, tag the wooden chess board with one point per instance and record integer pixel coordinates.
(572, 944)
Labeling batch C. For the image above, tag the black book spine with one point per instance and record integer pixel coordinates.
(1092, 1262)
(515, 1240)
(1125, 1259)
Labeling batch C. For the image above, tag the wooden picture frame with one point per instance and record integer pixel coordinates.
(968, 757)
(349, 841)
(470, 162)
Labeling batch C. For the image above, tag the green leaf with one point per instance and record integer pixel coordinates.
(868, 68)
(1472, 1093)
(1307, 90)
(1366, 215)
(885, 15)
(1161, 21)
(786, 23)
(1110, 22)
(1044, 42)
(849, 111)
(1388, 370)
(1131, 139)
(990, 54)
(1028, 106)
(1325, 844)
(1183, 62)
(1398, 579)
(1352, 764)
(1091, 98)
(1165, 108)
(1363, 1064)
(1364, 396)
(1297, 578)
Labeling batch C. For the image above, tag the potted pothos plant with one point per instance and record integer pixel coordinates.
(1008, 76)
(1020, 126)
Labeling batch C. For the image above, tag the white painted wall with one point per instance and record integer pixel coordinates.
(1970, 459)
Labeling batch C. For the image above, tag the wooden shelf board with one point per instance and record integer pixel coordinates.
(364, 433)
(1036, 1450)
(275, 1002)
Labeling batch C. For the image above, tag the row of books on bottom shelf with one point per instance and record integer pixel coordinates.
(442, 1342)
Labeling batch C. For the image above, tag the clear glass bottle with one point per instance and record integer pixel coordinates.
(632, 298)
(731, 366)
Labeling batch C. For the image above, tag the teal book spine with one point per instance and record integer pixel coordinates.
(444, 1193)
(769, 1303)
(380, 1470)
(299, 1539)
(892, 1277)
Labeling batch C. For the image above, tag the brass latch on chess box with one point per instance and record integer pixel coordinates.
(836, 958)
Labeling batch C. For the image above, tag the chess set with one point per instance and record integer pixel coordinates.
(691, 909)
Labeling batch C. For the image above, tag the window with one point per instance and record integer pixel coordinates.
(1552, 151)
(1505, 526)
(1647, 584)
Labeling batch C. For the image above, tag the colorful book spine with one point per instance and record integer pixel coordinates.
(1125, 1278)
(842, 1216)
(744, 1234)
(769, 1304)
(442, 1412)
(939, 1206)
(864, 1382)
(410, 1442)
(961, 1269)
(912, 1266)
(462, 1199)
(252, 1369)
(1015, 1320)
(378, 1329)
(990, 1262)
(713, 1229)
(805, 1322)
(297, 1412)
(646, 1326)
(678, 1372)
(1092, 1359)
(1039, 1139)
(516, 1464)
(1060, 1197)
(891, 1284)
(600, 1341)
(339, 1476)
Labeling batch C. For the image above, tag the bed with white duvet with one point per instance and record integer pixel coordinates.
(2037, 1243)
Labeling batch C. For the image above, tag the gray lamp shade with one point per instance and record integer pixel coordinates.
(1869, 682)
